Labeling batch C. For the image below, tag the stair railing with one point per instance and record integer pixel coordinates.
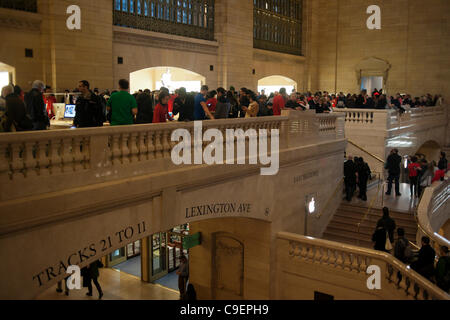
(372, 204)
(343, 258)
(423, 222)
(366, 151)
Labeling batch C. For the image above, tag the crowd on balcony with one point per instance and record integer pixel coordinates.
(35, 109)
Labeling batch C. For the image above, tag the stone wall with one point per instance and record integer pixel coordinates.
(246, 278)
(414, 39)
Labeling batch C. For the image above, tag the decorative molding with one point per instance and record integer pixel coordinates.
(20, 20)
(373, 67)
(163, 41)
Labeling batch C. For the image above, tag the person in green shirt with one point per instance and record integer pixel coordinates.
(122, 106)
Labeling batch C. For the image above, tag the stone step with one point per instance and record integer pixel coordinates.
(378, 211)
(374, 215)
(353, 218)
(367, 230)
(371, 222)
(344, 225)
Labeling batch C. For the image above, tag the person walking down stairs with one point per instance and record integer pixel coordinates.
(384, 232)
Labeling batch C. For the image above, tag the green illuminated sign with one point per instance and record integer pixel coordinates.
(192, 241)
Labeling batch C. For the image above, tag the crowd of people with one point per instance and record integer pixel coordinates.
(356, 174)
(421, 172)
(35, 109)
(421, 261)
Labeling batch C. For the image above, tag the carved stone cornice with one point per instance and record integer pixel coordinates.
(20, 20)
(163, 41)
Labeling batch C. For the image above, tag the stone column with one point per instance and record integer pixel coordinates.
(234, 32)
(73, 55)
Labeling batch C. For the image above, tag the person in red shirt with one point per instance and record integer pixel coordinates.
(49, 100)
(212, 101)
(279, 102)
(413, 169)
(161, 113)
(171, 101)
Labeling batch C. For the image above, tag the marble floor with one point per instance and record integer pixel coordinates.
(131, 266)
(116, 285)
(402, 204)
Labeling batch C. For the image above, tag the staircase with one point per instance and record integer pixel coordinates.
(344, 225)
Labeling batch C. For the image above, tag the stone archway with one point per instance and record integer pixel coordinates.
(7, 74)
(227, 267)
(430, 150)
(170, 77)
(373, 67)
(275, 83)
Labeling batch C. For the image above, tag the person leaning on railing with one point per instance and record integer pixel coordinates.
(424, 265)
(122, 105)
(442, 271)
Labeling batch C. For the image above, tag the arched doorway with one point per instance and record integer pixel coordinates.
(275, 83)
(372, 73)
(170, 77)
(430, 150)
(7, 74)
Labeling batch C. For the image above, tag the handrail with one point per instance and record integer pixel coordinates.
(368, 152)
(372, 204)
(340, 255)
(423, 223)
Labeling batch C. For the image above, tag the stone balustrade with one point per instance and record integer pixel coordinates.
(47, 161)
(351, 262)
(433, 212)
(388, 119)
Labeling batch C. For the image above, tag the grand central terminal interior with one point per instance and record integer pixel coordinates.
(224, 150)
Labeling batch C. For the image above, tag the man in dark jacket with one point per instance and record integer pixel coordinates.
(34, 101)
(443, 163)
(90, 274)
(393, 166)
(350, 178)
(89, 108)
(145, 108)
(442, 273)
(425, 263)
(16, 113)
(364, 174)
(222, 107)
(184, 105)
(387, 223)
(401, 247)
(379, 238)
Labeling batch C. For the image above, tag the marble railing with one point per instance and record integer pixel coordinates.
(353, 262)
(389, 118)
(47, 161)
(433, 212)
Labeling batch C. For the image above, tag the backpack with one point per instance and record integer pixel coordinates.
(3, 120)
(25, 124)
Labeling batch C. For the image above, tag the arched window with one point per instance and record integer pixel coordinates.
(278, 25)
(191, 18)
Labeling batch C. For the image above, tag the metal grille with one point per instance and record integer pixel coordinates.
(278, 25)
(23, 5)
(189, 18)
